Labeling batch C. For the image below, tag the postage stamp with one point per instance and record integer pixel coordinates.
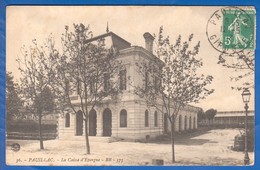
(238, 29)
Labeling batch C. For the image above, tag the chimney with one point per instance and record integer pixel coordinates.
(148, 41)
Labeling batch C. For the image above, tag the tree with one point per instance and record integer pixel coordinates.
(85, 69)
(175, 83)
(201, 115)
(36, 82)
(243, 63)
(13, 101)
(210, 114)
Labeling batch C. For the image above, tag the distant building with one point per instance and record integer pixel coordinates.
(130, 118)
(233, 118)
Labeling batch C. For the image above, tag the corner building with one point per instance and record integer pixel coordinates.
(129, 117)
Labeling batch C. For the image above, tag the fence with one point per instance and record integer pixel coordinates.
(29, 130)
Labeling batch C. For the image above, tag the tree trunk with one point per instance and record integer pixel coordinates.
(86, 136)
(86, 119)
(172, 139)
(40, 131)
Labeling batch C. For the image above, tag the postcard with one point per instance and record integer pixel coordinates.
(130, 85)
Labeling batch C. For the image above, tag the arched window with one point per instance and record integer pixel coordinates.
(122, 83)
(155, 119)
(190, 123)
(194, 123)
(146, 119)
(123, 118)
(185, 123)
(67, 120)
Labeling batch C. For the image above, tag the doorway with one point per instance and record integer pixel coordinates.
(92, 123)
(107, 122)
(79, 123)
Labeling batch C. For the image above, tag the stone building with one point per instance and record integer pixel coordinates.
(129, 118)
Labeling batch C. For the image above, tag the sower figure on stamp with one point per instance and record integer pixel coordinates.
(235, 27)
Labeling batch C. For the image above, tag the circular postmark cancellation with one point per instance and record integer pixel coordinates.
(232, 29)
(15, 147)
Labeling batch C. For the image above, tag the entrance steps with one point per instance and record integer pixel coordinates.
(101, 139)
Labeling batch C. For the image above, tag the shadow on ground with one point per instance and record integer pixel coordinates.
(184, 138)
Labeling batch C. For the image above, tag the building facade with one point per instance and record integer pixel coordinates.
(129, 117)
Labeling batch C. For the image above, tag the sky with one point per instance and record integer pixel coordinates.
(27, 23)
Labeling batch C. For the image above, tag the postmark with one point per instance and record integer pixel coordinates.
(232, 29)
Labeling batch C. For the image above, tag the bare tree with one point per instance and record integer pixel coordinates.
(174, 83)
(35, 82)
(243, 63)
(85, 69)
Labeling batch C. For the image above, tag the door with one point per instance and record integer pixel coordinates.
(92, 123)
(107, 122)
(79, 123)
(165, 121)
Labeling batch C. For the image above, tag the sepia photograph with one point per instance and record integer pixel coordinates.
(130, 85)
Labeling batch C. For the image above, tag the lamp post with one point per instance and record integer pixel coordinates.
(246, 98)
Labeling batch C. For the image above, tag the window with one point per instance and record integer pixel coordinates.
(78, 86)
(106, 82)
(156, 84)
(123, 118)
(180, 123)
(67, 120)
(122, 75)
(91, 88)
(67, 87)
(146, 80)
(68, 90)
(155, 119)
(146, 119)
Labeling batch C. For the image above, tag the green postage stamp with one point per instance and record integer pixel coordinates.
(238, 29)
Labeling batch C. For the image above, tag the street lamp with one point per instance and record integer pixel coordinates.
(246, 98)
